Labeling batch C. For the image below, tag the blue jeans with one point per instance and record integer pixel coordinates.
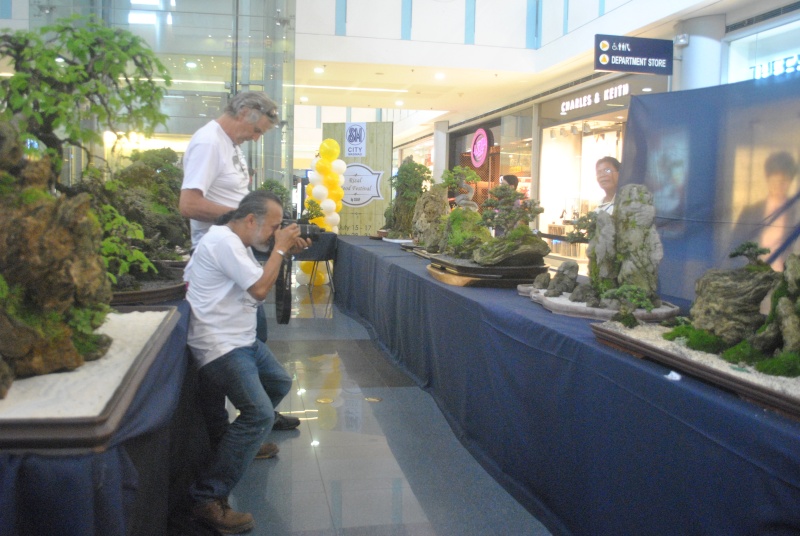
(255, 383)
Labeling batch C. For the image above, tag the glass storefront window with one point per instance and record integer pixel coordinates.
(768, 53)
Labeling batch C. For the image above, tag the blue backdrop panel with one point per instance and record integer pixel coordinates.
(705, 154)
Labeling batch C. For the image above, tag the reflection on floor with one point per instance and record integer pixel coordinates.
(373, 455)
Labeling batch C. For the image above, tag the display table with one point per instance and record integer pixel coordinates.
(116, 488)
(590, 439)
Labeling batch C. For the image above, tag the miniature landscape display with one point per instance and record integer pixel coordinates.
(54, 285)
(624, 253)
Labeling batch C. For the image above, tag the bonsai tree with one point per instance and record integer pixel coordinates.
(408, 185)
(460, 180)
(281, 191)
(508, 208)
(77, 77)
(751, 251)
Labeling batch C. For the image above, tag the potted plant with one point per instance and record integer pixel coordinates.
(409, 183)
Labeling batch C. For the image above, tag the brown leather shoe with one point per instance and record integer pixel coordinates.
(267, 450)
(220, 516)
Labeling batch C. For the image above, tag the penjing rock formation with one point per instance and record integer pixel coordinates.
(54, 290)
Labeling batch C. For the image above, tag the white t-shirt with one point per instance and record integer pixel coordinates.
(219, 272)
(216, 167)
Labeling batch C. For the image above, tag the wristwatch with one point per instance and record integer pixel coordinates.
(281, 253)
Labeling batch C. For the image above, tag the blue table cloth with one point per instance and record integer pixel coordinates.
(590, 439)
(94, 493)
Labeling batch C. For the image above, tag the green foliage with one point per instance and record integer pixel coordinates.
(508, 208)
(781, 290)
(784, 364)
(585, 228)
(279, 190)
(751, 251)
(117, 248)
(697, 339)
(742, 353)
(627, 319)
(408, 186)
(459, 175)
(312, 210)
(87, 319)
(631, 296)
(464, 232)
(76, 75)
(29, 196)
(7, 182)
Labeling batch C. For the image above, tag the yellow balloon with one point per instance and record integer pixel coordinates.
(339, 205)
(329, 150)
(331, 180)
(323, 167)
(309, 191)
(337, 194)
(320, 221)
(307, 266)
(319, 278)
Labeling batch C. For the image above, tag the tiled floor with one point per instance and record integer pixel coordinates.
(373, 455)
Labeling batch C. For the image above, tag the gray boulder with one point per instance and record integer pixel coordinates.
(565, 280)
(638, 246)
(727, 302)
(431, 207)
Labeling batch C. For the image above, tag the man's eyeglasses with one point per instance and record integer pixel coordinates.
(606, 171)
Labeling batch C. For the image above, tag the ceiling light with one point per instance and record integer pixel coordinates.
(191, 64)
(303, 99)
(319, 70)
(398, 103)
(343, 88)
(439, 76)
(647, 89)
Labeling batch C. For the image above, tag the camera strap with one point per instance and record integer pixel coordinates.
(283, 292)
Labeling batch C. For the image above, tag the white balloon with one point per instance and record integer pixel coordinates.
(320, 192)
(341, 180)
(328, 206)
(314, 162)
(332, 219)
(339, 166)
(314, 178)
(324, 278)
(302, 278)
(335, 229)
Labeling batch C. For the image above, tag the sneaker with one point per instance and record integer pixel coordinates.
(267, 450)
(285, 422)
(220, 516)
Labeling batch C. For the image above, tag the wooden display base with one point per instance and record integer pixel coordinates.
(457, 280)
(776, 393)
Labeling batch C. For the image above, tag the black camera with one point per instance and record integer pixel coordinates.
(307, 230)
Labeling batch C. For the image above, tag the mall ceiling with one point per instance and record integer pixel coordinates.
(462, 94)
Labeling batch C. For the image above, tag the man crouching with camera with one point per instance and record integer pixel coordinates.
(225, 285)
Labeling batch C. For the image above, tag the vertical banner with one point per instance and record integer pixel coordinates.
(355, 140)
(366, 184)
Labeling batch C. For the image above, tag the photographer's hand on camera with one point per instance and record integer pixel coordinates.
(289, 242)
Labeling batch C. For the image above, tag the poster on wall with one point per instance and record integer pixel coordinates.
(722, 163)
(355, 140)
(361, 185)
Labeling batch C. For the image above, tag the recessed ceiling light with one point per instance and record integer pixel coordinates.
(303, 99)
(647, 89)
(191, 64)
(439, 76)
(319, 70)
(398, 103)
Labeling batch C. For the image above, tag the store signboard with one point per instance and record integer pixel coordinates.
(361, 185)
(481, 142)
(355, 140)
(632, 54)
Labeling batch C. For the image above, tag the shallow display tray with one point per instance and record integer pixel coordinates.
(772, 392)
(468, 281)
(73, 410)
(469, 268)
(563, 306)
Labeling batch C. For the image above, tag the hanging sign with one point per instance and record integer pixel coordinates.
(361, 185)
(355, 140)
(480, 147)
(632, 54)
